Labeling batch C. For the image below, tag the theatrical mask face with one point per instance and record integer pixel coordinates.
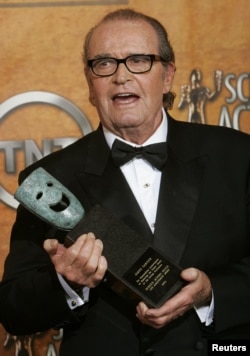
(47, 198)
(128, 103)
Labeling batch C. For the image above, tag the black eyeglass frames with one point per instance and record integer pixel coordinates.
(136, 63)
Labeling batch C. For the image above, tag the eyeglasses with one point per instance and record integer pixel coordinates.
(136, 63)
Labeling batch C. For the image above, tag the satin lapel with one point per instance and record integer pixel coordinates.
(104, 184)
(179, 193)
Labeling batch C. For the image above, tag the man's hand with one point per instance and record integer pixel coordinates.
(82, 263)
(197, 292)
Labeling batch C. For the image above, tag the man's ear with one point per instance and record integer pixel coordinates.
(169, 77)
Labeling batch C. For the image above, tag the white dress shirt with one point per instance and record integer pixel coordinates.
(144, 181)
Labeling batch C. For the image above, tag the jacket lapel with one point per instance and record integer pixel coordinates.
(179, 193)
(104, 184)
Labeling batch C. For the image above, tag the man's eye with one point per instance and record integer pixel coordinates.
(103, 63)
(139, 59)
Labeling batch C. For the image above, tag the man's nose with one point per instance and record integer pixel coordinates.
(122, 73)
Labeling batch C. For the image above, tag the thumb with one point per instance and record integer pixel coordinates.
(190, 274)
(51, 246)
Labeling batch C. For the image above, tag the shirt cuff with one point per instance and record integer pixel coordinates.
(74, 299)
(206, 313)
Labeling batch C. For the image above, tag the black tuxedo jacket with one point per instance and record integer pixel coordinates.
(202, 221)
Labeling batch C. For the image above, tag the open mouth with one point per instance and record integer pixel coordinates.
(125, 97)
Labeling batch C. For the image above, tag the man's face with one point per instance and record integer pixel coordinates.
(128, 104)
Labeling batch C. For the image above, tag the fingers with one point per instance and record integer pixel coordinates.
(81, 250)
(159, 317)
(141, 309)
(85, 253)
(101, 270)
(82, 262)
(196, 292)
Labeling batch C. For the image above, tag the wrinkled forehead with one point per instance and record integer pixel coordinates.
(135, 36)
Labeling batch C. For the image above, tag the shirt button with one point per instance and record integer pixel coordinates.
(153, 225)
(146, 185)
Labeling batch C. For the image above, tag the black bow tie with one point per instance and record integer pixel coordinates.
(155, 154)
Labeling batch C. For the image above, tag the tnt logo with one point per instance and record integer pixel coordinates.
(26, 140)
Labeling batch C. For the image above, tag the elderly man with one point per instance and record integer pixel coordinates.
(193, 206)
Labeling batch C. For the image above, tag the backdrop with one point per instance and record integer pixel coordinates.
(44, 96)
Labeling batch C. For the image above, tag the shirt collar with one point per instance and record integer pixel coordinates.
(158, 136)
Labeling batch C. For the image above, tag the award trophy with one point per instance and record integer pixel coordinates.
(136, 271)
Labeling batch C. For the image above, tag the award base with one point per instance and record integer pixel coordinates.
(136, 271)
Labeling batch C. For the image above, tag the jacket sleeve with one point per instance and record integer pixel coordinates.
(231, 282)
(31, 296)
